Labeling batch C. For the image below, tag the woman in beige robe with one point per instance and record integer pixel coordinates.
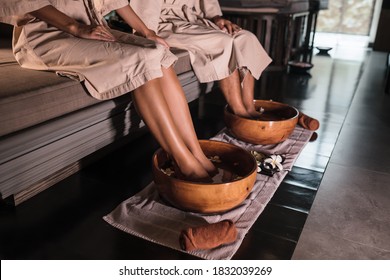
(72, 38)
(219, 49)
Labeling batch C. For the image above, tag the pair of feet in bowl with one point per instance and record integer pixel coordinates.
(217, 174)
(250, 113)
(188, 173)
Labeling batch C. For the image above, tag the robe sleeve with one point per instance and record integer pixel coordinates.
(15, 12)
(149, 11)
(210, 8)
(104, 7)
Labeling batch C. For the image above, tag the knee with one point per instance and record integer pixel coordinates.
(246, 35)
(246, 39)
(157, 51)
(225, 39)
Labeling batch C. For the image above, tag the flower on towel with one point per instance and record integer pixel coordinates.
(273, 162)
(259, 159)
(268, 165)
(258, 167)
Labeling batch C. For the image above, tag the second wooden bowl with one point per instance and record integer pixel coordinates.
(276, 125)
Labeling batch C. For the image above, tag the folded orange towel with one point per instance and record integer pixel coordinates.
(208, 236)
(308, 122)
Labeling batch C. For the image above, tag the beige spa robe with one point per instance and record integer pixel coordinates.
(214, 54)
(107, 69)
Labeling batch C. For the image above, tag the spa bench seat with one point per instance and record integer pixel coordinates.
(50, 127)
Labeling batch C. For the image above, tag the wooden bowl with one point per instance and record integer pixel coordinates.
(299, 67)
(279, 122)
(208, 197)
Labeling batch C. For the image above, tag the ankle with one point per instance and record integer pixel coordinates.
(242, 113)
(192, 169)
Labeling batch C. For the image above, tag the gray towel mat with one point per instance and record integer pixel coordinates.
(145, 215)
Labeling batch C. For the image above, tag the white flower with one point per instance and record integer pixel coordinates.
(274, 162)
(261, 110)
(168, 171)
(215, 159)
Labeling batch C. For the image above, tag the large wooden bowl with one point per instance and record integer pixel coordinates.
(281, 122)
(208, 197)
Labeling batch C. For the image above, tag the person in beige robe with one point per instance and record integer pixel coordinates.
(219, 50)
(72, 38)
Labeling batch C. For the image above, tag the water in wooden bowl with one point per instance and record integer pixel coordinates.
(234, 181)
(275, 125)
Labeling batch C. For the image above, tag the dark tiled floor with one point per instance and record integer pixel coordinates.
(294, 197)
(65, 221)
(350, 217)
(281, 222)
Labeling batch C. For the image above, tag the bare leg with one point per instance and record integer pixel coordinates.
(178, 106)
(152, 105)
(231, 88)
(248, 86)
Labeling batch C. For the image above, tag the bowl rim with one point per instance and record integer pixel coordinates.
(307, 65)
(260, 121)
(203, 184)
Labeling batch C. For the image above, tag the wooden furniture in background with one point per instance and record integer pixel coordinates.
(282, 34)
(286, 28)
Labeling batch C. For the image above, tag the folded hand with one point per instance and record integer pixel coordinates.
(226, 25)
(154, 37)
(98, 32)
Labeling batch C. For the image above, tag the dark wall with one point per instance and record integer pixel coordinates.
(382, 39)
(386, 4)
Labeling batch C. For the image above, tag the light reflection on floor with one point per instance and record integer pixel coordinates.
(344, 46)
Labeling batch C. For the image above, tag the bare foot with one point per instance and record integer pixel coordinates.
(192, 170)
(255, 114)
(245, 115)
(207, 164)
